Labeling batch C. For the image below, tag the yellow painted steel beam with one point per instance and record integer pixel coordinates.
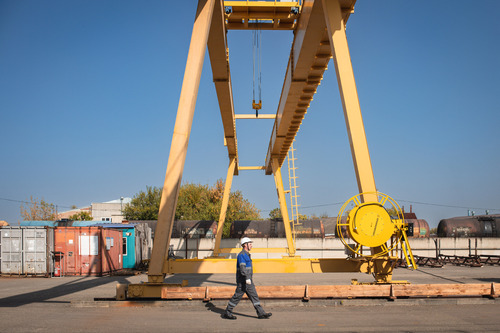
(279, 265)
(309, 58)
(252, 116)
(219, 60)
(263, 15)
(252, 168)
(225, 202)
(180, 138)
(260, 26)
(244, 4)
(352, 112)
(255, 250)
(284, 210)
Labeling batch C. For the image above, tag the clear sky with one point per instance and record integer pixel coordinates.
(89, 93)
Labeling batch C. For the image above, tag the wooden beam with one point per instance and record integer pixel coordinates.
(334, 291)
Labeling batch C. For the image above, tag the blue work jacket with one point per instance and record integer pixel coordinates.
(244, 265)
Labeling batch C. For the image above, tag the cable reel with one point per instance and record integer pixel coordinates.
(373, 224)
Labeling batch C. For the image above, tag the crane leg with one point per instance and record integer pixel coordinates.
(284, 210)
(225, 202)
(350, 102)
(180, 139)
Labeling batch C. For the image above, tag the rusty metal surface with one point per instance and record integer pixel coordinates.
(420, 228)
(194, 229)
(87, 250)
(276, 229)
(470, 226)
(306, 229)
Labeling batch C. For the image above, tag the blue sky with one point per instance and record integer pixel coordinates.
(89, 93)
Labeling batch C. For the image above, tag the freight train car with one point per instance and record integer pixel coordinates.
(305, 229)
(470, 226)
(194, 229)
(276, 229)
(420, 228)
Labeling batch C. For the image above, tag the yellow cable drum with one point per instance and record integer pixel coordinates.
(371, 224)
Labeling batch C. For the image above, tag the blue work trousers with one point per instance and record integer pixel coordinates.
(241, 289)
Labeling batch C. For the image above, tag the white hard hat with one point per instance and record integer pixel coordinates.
(245, 240)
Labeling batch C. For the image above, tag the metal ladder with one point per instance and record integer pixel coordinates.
(292, 181)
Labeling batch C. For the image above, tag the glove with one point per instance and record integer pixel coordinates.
(248, 281)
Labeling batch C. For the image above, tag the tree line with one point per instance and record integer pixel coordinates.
(195, 202)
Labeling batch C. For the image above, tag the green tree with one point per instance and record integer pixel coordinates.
(275, 214)
(144, 205)
(195, 202)
(81, 216)
(38, 210)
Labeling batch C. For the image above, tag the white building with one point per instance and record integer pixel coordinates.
(110, 211)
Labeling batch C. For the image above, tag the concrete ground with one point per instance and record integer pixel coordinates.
(67, 304)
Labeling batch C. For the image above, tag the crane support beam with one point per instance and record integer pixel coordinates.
(278, 265)
(309, 57)
(263, 15)
(253, 116)
(180, 139)
(225, 203)
(284, 210)
(219, 59)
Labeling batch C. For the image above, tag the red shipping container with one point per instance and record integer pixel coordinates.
(87, 250)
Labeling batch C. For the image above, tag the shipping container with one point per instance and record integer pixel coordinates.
(137, 242)
(87, 250)
(26, 250)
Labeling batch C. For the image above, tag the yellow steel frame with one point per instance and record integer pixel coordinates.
(283, 265)
(319, 35)
(263, 15)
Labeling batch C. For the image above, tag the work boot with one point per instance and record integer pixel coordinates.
(265, 315)
(228, 315)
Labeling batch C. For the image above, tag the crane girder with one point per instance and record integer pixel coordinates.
(219, 59)
(309, 57)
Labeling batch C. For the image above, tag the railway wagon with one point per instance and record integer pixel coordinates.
(470, 226)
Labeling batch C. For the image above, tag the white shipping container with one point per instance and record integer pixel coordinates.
(26, 250)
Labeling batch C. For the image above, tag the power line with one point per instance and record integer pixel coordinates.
(64, 206)
(28, 202)
(313, 206)
(400, 200)
(323, 205)
(449, 206)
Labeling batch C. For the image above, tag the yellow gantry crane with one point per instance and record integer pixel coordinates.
(319, 35)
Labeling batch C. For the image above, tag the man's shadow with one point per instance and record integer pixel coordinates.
(211, 307)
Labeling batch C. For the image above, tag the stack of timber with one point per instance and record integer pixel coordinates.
(308, 292)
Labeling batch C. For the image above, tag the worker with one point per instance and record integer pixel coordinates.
(244, 283)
